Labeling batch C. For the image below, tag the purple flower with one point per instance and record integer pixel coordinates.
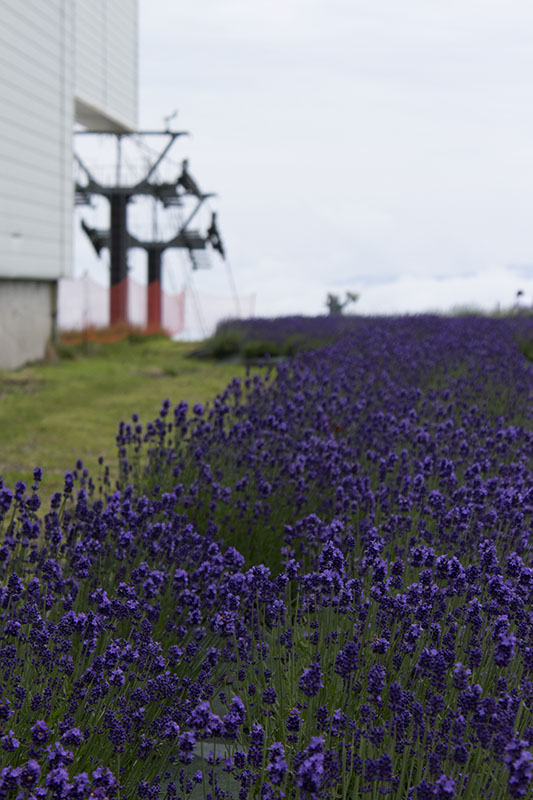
(234, 718)
(186, 744)
(376, 681)
(469, 699)
(332, 557)
(267, 792)
(69, 483)
(347, 659)
(519, 762)
(12, 627)
(461, 675)
(461, 754)
(384, 767)
(15, 586)
(30, 774)
(40, 732)
(224, 622)
(199, 717)
(425, 790)
(104, 777)
(270, 695)
(5, 710)
(310, 773)
(57, 781)
(412, 635)
(80, 786)
(397, 697)
(445, 788)
(277, 765)
(311, 680)
(293, 720)
(10, 778)
(322, 717)
(72, 736)
(257, 738)
(504, 650)
(57, 756)
(380, 645)
(9, 742)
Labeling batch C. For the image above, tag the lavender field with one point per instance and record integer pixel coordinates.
(318, 586)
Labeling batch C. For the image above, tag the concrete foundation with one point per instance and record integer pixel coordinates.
(28, 312)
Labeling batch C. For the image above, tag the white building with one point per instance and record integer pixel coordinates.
(61, 62)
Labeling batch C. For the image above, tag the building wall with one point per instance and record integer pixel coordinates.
(61, 61)
(36, 108)
(27, 311)
(106, 57)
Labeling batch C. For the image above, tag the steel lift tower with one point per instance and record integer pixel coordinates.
(119, 240)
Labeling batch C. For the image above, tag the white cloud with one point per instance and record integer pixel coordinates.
(493, 289)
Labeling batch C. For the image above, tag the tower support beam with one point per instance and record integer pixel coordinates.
(118, 241)
(154, 288)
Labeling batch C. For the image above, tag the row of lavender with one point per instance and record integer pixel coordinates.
(320, 586)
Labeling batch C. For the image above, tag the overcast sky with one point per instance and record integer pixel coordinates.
(366, 145)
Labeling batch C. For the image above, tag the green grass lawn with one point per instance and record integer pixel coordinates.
(54, 413)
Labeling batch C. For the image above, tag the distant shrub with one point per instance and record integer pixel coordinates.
(259, 348)
(253, 339)
(527, 349)
(226, 344)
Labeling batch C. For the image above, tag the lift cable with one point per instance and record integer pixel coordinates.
(189, 285)
(229, 270)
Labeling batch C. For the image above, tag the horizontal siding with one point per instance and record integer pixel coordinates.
(30, 75)
(90, 38)
(20, 164)
(37, 112)
(34, 142)
(29, 208)
(49, 51)
(32, 246)
(41, 71)
(31, 16)
(37, 34)
(36, 99)
(49, 268)
(129, 55)
(90, 64)
(29, 251)
(29, 213)
(106, 56)
(39, 223)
